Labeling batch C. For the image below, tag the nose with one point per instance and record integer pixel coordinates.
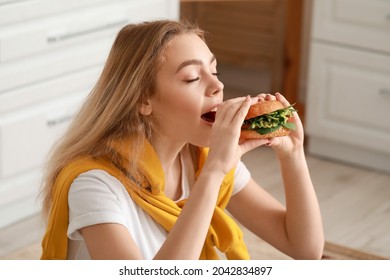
(216, 87)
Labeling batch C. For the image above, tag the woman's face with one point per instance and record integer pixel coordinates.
(187, 87)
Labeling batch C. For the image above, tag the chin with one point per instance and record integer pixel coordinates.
(203, 144)
(201, 140)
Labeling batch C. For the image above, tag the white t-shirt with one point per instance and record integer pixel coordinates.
(96, 197)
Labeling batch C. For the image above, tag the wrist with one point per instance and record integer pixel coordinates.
(213, 169)
(209, 177)
(294, 154)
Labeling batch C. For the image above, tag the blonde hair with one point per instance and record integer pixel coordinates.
(111, 110)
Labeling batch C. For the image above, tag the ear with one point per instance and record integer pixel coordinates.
(146, 108)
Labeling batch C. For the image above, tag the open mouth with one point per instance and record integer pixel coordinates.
(209, 116)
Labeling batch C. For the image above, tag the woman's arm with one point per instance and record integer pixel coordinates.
(297, 229)
(110, 242)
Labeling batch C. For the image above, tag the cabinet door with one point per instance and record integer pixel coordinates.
(16, 11)
(26, 135)
(41, 68)
(18, 197)
(62, 85)
(84, 26)
(349, 97)
(361, 23)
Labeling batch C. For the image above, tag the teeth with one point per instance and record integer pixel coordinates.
(214, 109)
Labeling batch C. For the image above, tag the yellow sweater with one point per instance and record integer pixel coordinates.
(223, 232)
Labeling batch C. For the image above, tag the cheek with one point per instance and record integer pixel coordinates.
(189, 106)
(183, 111)
(177, 108)
(175, 101)
(184, 102)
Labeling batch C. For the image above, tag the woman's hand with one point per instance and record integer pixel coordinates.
(292, 142)
(225, 149)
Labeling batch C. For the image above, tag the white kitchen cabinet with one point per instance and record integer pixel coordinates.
(354, 23)
(51, 53)
(27, 134)
(348, 97)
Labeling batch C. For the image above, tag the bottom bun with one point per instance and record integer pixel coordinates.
(251, 134)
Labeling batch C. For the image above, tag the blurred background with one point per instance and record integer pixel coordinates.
(330, 58)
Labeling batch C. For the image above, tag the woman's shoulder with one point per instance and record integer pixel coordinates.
(96, 184)
(96, 197)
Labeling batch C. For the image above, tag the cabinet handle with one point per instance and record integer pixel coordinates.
(384, 92)
(58, 120)
(65, 36)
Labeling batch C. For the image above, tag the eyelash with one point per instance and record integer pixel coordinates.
(197, 78)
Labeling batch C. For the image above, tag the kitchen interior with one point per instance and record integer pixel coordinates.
(330, 58)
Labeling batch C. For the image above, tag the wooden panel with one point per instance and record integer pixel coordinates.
(292, 54)
(246, 34)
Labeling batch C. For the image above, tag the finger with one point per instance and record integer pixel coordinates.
(242, 111)
(275, 141)
(285, 103)
(261, 97)
(228, 106)
(254, 100)
(282, 99)
(249, 145)
(270, 97)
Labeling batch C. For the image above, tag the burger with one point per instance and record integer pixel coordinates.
(267, 119)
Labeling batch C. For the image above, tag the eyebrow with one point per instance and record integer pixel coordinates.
(193, 62)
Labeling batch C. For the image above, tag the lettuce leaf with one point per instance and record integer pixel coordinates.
(273, 121)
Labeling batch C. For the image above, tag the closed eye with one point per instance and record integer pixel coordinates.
(192, 80)
(198, 78)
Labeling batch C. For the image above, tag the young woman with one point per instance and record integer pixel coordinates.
(132, 177)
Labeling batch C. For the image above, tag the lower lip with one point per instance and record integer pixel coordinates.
(206, 122)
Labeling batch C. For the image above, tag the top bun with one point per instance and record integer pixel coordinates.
(262, 108)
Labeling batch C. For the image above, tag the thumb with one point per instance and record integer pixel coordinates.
(248, 145)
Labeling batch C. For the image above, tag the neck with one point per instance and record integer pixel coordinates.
(167, 151)
(168, 154)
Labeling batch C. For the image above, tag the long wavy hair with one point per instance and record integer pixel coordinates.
(111, 110)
